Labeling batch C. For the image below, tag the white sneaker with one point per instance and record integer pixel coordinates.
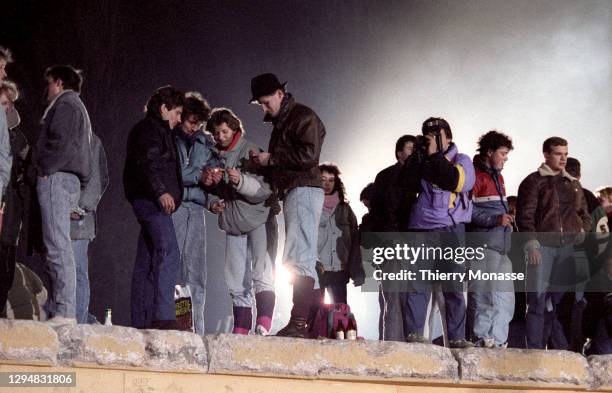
(261, 331)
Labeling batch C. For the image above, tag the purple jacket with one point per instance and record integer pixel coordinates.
(438, 207)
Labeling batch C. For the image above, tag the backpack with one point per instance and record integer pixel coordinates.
(328, 318)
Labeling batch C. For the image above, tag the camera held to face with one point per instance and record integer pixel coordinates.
(422, 144)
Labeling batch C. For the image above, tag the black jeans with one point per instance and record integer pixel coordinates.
(7, 273)
(335, 282)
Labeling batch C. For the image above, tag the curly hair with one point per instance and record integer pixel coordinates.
(195, 105)
(332, 168)
(219, 116)
(492, 141)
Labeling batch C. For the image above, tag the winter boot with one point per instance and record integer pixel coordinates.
(243, 320)
(302, 302)
(265, 310)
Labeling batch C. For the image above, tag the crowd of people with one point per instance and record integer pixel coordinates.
(553, 229)
(184, 158)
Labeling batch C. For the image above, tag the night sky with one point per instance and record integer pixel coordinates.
(371, 70)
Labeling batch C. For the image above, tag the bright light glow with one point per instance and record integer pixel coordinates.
(327, 298)
(283, 275)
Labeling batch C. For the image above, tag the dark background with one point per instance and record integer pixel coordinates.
(371, 70)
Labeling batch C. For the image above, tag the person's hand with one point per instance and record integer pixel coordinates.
(234, 175)
(261, 158)
(75, 216)
(534, 256)
(217, 207)
(432, 147)
(211, 176)
(167, 203)
(504, 220)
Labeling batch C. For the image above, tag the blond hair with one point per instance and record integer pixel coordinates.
(10, 89)
(604, 193)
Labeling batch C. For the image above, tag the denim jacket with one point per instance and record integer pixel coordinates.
(202, 154)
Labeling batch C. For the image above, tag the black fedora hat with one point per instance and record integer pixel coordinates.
(265, 84)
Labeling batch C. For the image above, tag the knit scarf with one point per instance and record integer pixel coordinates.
(331, 201)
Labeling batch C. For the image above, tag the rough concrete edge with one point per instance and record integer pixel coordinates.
(552, 384)
(597, 382)
(192, 367)
(51, 359)
(324, 372)
(71, 356)
(211, 340)
(206, 339)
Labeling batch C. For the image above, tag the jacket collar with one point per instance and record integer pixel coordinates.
(544, 170)
(159, 121)
(480, 164)
(451, 152)
(286, 105)
(52, 103)
(198, 136)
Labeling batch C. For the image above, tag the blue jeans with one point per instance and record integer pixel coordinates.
(190, 226)
(493, 301)
(454, 302)
(156, 267)
(539, 278)
(302, 210)
(57, 195)
(79, 248)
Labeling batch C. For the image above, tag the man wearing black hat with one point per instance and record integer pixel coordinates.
(293, 160)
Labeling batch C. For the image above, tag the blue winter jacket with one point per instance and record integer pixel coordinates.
(200, 156)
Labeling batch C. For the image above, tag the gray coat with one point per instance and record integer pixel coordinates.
(6, 159)
(64, 144)
(245, 203)
(91, 194)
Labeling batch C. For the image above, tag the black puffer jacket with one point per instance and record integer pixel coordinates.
(152, 166)
(392, 201)
(295, 147)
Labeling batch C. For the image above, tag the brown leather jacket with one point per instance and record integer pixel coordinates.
(552, 203)
(295, 147)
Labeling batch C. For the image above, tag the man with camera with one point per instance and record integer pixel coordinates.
(443, 179)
